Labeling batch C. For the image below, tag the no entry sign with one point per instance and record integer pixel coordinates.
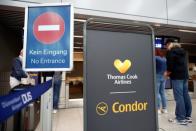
(48, 38)
(49, 27)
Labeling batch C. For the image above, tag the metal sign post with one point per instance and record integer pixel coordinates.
(46, 109)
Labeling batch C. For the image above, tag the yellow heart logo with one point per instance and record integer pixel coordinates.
(122, 67)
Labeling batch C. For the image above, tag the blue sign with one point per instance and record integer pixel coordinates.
(48, 38)
(15, 101)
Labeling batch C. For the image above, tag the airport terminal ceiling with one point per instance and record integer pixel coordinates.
(12, 18)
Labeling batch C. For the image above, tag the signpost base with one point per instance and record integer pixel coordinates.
(46, 109)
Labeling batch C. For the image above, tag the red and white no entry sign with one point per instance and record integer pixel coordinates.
(48, 27)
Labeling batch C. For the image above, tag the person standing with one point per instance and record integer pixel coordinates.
(160, 81)
(16, 76)
(56, 90)
(178, 73)
(17, 73)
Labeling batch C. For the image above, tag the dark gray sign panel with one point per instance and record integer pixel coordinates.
(120, 90)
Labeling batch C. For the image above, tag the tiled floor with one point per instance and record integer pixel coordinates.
(72, 120)
(68, 120)
(163, 119)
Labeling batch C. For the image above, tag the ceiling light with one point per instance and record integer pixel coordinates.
(78, 47)
(157, 25)
(80, 20)
(188, 31)
(78, 36)
(107, 23)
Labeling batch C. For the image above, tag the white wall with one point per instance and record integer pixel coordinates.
(182, 12)
(173, 12)
(141, 10)
(40, 1)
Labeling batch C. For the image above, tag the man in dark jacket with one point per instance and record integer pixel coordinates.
(178, 72)
(17, 73)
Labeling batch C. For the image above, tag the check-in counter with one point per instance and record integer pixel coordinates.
(72, 84)
(191, 85)
(193, 81)
(74, 78)
(75, 87)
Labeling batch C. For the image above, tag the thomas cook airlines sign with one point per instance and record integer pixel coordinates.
(48, 38)
(120, 89)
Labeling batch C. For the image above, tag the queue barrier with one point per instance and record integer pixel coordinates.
(16, 101)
